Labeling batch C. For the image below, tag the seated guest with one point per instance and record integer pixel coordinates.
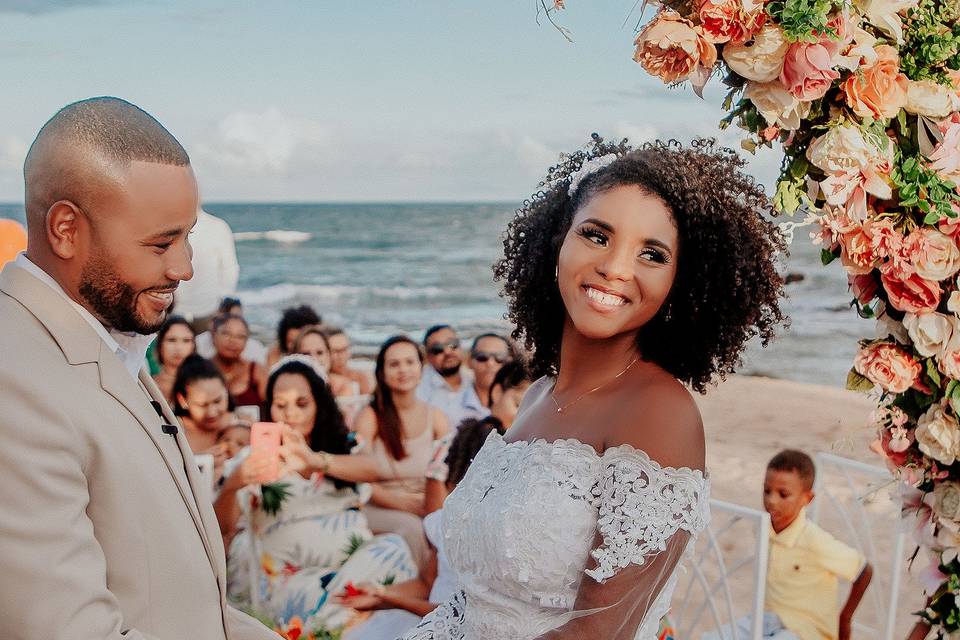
(235, 438)
(313, 342)
(340, 354)
(488, 353)
(254, 351)
(246, 380)
(291, 322)
(506, 391)
(444, 384)
(314, 539)
(399, 606)
(399, 430)
(805, 563)
(174, 343)
(202, 403)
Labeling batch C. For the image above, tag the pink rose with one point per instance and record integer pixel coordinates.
(945, 159)
(888, 366)
(911, 294)
(808, 69)
(672, 49)
(726, 21)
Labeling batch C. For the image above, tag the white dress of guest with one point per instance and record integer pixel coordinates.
(215, 269)
(531, 521)
(456, 404)
(255, 351)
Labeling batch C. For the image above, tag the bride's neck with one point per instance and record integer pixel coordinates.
(586, 362)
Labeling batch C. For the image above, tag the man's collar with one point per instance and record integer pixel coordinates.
(789, 536)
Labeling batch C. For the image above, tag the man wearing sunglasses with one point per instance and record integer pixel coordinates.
(445, 384)
(488, 354)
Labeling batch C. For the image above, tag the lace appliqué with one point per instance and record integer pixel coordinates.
(641, 506)
(443, 623)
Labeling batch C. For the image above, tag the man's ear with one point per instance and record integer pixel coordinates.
(808, 497)
(62, 225)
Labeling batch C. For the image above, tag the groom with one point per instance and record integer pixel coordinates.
(104, 533)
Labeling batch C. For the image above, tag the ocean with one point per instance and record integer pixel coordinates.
(380, 269)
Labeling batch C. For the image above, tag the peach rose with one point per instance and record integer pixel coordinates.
(760, 60)
(672, 49)
(931, 99)
(864, 287)
(727, 21)
(934, 255)
(945, 159)
(856, 251)
(911, 293)
(878, 90)
(777, 105)
(888, 366)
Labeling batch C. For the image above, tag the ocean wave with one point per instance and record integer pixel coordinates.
(283, 236)
(286, 292)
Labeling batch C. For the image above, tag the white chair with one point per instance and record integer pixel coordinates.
(859, 504)
(708, 597)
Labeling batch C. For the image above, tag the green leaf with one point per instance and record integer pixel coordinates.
(931, 218)
(857, 382)
(827, 256)
(932, 372)
(273, 496)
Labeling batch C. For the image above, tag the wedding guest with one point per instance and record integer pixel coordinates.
(312, 341)
(340, 354)
(215, 271)
(246, 380)
(400, 605)
(254, 351)
(489, 352)
(174, 343)
(202, 403)
(805, 563)
(316, 540)
(291, 322)
(399, 430)
(235, 438)
(507, 390)
(444, 384)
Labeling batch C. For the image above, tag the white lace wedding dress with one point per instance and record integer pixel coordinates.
(531, 521)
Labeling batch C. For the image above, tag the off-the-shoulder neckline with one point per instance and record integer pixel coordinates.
(625, 449)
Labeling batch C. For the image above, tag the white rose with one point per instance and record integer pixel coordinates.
(939, 259)
(887, 326)
(884, 14)
(946, 501)
(949, 364)
(931, 99)
(844, 149)
(761, 60)
(938, 435)
(953, 302)
(931, 333)
(777, 105)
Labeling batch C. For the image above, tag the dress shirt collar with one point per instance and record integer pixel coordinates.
(791, 534)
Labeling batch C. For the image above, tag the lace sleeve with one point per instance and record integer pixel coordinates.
(641, 506)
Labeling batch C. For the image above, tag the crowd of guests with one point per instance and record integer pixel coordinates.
(367, 457)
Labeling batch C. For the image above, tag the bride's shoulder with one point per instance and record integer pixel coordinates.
(662, 419)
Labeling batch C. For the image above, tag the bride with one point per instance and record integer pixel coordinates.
(630, 274)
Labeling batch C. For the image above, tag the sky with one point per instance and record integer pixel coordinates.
(337, 101)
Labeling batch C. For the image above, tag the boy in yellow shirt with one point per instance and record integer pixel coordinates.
(804, 565)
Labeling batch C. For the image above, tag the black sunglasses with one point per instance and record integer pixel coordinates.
(483, 356)
(437, 348)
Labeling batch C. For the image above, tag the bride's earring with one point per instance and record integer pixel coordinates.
(556, 273)
(666, 313)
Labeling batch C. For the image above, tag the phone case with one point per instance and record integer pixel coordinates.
(265, 436)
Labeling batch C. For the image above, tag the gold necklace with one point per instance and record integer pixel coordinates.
(561, 409)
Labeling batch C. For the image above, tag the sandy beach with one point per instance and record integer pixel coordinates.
(749, 419)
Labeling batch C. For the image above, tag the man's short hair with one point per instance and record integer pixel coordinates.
(105, 130)
(432, 330)
(797, 462)
(476, 341)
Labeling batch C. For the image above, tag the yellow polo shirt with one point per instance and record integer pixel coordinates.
(802, 578)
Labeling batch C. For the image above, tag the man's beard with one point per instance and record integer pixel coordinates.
(452, 370)
(112, 299)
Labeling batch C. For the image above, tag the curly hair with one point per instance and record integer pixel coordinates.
(294, 318)
(471, 434)
(726, 291)
(329, 433)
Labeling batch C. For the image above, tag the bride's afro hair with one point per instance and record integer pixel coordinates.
(727, 289)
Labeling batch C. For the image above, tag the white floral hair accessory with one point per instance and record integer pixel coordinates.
(588, 167)
(302, 359)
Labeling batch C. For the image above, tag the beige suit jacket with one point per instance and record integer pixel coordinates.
(102, 535)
